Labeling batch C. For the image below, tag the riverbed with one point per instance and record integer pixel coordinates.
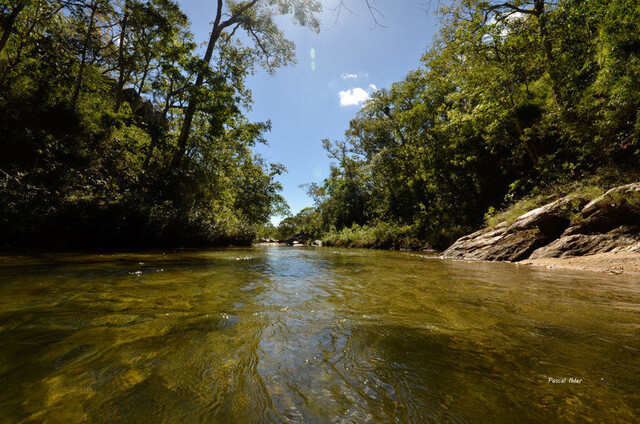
(314, 335)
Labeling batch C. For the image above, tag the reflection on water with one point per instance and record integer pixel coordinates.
(274, 334)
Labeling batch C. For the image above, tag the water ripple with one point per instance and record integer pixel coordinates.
(279, 335)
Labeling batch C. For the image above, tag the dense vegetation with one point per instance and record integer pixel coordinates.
(511, 101)
(116, 130)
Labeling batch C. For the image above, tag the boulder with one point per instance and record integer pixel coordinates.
(603, 202)
(476, 245)
(609, 223)
(267, 240)
(296, 240)
(586, 244)
(496, 244)
(574, 229)
(609, 211)
(516, 246)
(551, 218)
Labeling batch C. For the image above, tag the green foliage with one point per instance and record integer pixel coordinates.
(513, 101)
(585, 187)
(383, 235)
(306, 223)
(92, 95)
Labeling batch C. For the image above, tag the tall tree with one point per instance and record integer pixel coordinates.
(9, 14)
(256, 18)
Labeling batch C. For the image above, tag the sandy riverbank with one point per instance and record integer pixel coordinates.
(621, 262)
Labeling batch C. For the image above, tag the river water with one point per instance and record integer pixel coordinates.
(276, 334)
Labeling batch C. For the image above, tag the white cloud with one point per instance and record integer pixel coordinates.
(346, 76)
(503, 23)
(354, 97)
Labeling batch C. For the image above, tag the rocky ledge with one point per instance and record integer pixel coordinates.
(567, 227)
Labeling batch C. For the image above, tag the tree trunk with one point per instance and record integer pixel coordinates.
(83, 60)
(144, 75)
(8, 25)
(193, 102)
(540, 13)
(121, 72)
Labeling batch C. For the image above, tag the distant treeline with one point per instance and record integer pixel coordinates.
(511, 99)
(117, 131)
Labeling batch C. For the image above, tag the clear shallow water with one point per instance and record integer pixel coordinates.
(273, 334)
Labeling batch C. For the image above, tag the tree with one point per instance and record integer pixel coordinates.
(511, 98)
(92, 94)
(10, 13)
(256, 18)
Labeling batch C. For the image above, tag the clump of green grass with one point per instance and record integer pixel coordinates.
(630, 200)
(509, 214)
(383, 235)
(588, 188)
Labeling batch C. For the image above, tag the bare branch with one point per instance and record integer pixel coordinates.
(336, 11)
(512, 7)
(373, 10)
(259, 43)
(375, 13)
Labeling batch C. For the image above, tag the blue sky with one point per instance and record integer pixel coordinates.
(336, 71)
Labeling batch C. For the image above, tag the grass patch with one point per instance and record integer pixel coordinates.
(629, 200)
(383, 235)
(587, 188)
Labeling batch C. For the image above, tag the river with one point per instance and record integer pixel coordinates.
(314, 335)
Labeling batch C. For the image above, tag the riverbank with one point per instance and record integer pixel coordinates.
(627, 263)
(572, 232)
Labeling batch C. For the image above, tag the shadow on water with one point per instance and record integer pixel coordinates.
(312, 335)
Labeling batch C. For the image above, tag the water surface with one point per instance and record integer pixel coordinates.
(274, 334)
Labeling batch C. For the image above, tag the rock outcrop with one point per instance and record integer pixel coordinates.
(584, 244)
(296, 240)
(267, 241)
(143, 108)
(567, 227)
(496, 244)
(550, 219)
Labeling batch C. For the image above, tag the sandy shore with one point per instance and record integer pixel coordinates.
(621, 262)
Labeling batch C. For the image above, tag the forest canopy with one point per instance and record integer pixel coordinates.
(117, 130)
(512, 99)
